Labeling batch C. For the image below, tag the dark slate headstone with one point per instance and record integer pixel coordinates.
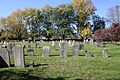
(105, 53)
(63, 49)
(30, 52)
(46, 51)
(4, 58)
(76, 49)
(19, 56)
(81, 46)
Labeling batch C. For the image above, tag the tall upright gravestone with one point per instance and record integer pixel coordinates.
(46, 51)
(4, 58)
(19, 56)
(75, 49)
(63, 49)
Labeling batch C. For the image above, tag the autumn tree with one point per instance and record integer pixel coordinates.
(83, 9)
(16, 26)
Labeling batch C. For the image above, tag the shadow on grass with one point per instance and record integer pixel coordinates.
(54, 55)
(22, 75)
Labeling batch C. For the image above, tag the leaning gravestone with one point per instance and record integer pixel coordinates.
(46, 51)
(105, 53)
(63, 49)
(4, 58)
(76, 49)
(19, 56)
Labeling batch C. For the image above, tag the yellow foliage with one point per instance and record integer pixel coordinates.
(86, 32)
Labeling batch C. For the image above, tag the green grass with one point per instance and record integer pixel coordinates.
(70, 68)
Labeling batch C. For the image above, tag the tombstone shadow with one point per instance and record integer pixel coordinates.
(3, 64)
(22, 75)
(44, 65)
(52, 55)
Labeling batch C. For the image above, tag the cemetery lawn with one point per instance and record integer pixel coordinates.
(70, 68)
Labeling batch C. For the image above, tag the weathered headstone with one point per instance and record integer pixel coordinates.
(46, 51)
(28, 46)
(103, 44)
(105, 53)
(19, 56)
(30, 52)
(10, 48)
(54, 45)
(37, 45)
(69, 42)
(4, 58)
(98, 44)
(63, 49)
(88, 54)
(91, 42)
(73, 42)
(81, 46)
(76, 49)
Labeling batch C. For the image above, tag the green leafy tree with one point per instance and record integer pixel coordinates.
(98, 23)
(63, 20)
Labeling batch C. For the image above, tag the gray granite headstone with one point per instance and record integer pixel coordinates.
(98, 44)
(46, 51)
(4, 58)
(54, 45)
(19, 56)
(63, 49)
(37, 45)
(76, 49)
(105, 53)
(91, 42)
(10, 47)
(69, 42)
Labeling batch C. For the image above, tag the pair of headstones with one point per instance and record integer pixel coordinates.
(18, 57)
(63, 49)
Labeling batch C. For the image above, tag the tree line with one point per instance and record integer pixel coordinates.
(63, 21)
